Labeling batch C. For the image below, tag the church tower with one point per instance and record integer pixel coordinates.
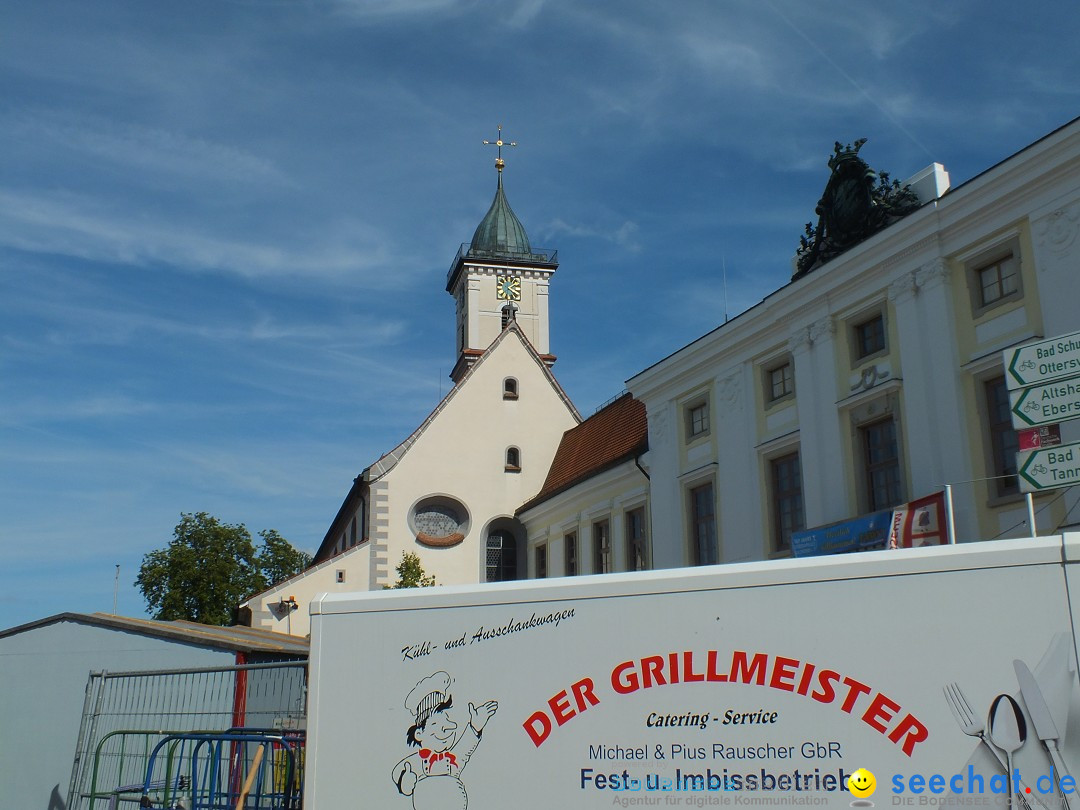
(499, 276)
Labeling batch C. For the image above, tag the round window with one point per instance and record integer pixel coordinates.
(439, 521)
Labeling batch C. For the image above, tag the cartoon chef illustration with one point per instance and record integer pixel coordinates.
(432, 775)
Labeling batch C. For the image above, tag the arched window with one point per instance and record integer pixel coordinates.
(510, 388)
(513, 459)
(501, 557)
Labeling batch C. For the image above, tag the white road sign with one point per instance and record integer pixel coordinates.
(1050, 467)
(1041, 362)
(1045, 404)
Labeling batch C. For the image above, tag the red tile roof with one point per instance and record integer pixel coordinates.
(617, 433)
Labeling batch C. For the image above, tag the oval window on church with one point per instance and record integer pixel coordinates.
(439, 521)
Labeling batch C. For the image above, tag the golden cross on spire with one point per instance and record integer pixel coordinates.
(499, 142)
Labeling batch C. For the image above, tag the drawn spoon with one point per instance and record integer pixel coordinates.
(1008, 731)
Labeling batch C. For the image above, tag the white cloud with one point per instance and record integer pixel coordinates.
(525, 13)
(727, 60)
(105, 406)
(140, 149)
(624, 235)
(376, 9)
(516, 13)
(89, 228)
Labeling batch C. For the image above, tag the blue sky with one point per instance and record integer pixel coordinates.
(225, 226)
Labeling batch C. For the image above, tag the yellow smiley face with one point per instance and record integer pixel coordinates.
(862, 783)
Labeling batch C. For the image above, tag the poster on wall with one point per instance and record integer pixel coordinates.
(911, 525)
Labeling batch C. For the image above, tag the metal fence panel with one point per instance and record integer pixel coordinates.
(126, 714)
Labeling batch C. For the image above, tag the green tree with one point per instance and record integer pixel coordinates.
(278, 560)
(411, 573)
(209, 567)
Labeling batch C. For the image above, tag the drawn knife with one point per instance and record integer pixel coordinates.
(1040, 717)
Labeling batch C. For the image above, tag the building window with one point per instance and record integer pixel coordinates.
(785, 475)
(601, 539)
(501, 557)
(513, 459)
(339, 575)
(637, 551)
(703, 546)
(439, 521)
(352, 532)
(362, 526)
(697, 420)
(998, 280)
(994, 277)
(541, 562)
(779, 382)
(570, 565)
(508, 314)
(881, 456)
(1004, 442)
(869, 336)
(510, 388)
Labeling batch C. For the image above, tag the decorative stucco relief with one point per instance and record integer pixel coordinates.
(1057, 232)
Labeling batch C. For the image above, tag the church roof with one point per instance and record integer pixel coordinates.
(613, 435)
(500, 232)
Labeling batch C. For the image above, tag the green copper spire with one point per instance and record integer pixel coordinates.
(500, 232)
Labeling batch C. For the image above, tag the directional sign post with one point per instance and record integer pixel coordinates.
(1045, 404)
(1050, 467)
(1042, 362)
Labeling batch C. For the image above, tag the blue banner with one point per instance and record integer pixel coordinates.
(864, 533)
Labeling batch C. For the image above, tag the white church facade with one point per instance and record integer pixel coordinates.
(448, 492)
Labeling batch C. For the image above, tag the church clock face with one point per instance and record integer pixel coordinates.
(509, 288)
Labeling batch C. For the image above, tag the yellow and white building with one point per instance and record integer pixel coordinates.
(874, 379)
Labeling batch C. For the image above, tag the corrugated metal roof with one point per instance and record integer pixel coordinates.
(235, 639)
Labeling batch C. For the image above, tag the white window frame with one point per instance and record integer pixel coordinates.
(570, 541)
(776, 547)
(693, 546)
(646, 551)
(1004, 252)
(855, 325)
(602, 557)
(513, 460)
(999, 491)
(697, 419)
(768, 387)
(540, 552)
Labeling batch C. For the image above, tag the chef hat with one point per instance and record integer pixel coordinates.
(426, 695)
